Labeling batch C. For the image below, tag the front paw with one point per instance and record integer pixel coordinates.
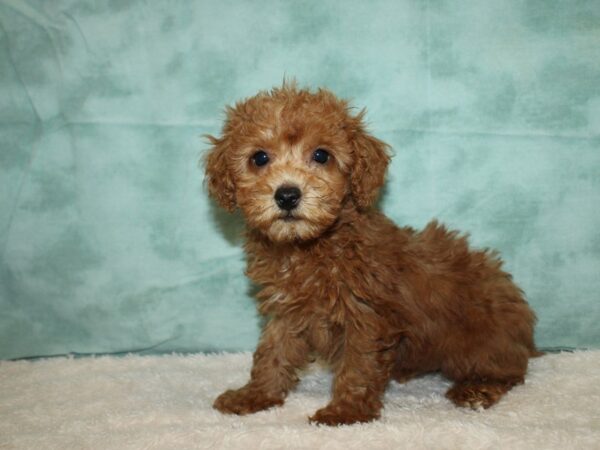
(244, 401)
(340, 414)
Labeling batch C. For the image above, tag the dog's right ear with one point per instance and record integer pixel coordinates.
(218, 177)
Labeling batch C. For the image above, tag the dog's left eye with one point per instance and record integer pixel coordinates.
(321, 156)
(260, 158)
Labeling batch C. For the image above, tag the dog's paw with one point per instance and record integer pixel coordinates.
(477, 395)
(335, 414)
(244, 401)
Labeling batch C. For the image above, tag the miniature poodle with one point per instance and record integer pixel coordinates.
(342, 282)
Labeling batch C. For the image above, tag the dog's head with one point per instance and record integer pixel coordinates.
(291, 159)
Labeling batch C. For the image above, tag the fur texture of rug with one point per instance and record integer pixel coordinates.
(156, 402)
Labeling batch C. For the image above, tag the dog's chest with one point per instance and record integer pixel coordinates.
(307, 283)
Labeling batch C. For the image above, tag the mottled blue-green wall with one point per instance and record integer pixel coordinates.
(108, 242)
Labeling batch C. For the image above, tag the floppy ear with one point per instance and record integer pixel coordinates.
(371, 161)
(218, 177)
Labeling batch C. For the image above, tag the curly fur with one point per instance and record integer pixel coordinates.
(341, 281)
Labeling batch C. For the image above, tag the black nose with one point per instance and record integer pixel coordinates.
(287, 197)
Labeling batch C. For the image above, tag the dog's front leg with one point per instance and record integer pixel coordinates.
(280, 352)
(360, 381)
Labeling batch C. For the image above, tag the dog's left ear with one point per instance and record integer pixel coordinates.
(370, 164)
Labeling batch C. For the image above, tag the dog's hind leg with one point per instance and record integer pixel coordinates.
(484, 374)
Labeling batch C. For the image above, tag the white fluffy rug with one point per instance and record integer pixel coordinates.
(164, 402)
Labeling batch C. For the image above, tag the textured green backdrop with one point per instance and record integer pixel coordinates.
(108, 242)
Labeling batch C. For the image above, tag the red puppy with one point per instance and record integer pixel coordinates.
(341, 281)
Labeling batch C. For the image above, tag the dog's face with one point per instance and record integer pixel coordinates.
(291, 159)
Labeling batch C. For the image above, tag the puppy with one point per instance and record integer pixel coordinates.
(339, 280)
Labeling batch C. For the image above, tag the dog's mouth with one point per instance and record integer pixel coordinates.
(288, 217)
(294, 226)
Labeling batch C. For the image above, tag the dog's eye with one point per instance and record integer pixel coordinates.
(260, 158)
(321, 156)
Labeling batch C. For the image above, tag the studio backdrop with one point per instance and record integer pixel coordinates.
(108, 242)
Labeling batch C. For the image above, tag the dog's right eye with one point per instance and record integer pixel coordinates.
(260, 158)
